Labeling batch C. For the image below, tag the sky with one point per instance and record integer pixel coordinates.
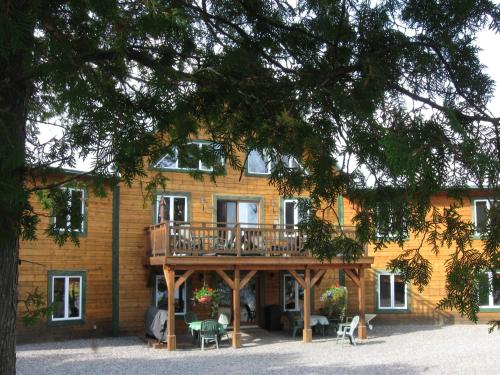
(488, 41)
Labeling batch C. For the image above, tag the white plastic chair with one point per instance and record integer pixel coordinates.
(348, 330)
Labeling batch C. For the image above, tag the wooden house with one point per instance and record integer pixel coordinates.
(236, 234)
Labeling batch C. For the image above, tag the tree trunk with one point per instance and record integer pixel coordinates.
(8, 307)
(16, 47)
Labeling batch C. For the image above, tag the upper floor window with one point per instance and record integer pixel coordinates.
(387, 225)
(489, 290)
(174, 208)
(161, 295)
(260, 162)
(66, 294)
(392, 292)
(291, 213)
(72, 216)
(187, 158)
(481, 207)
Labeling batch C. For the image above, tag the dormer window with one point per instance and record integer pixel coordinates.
(261, 163)
(186, 158)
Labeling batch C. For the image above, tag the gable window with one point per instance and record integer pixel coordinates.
(290, 162)
(161, 295)
(66, 295)
(72, 218)
(392, 292)
(481, 207)
(293, 293)
(186, 159)
(175, 208)
(489, 290)
(259, 163)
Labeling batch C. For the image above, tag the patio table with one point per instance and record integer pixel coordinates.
(196, 326)
(320, 320)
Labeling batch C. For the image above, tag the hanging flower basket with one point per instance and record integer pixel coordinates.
(205, 299)
(207, 296)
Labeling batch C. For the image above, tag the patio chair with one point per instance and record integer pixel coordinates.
(209, 332)
(190, 317)
(224, 322)
(348, 330)
(185, 240)
(295, 323)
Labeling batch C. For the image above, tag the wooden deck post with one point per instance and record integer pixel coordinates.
(236, 310)
(307, 331)
(170, 278)
(362, 334)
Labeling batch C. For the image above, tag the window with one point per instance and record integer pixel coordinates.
(161, 295)
(175, 208)
(290, 162)
(259, 163)
(293, 293)
(489, 290)
(72, 218)
(66, 294)
(481, 207)
(388, 229)
(291, 214)
(392, 292)
(187, 158)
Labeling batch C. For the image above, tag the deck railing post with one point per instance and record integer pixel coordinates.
(238, 239)
(167, 239)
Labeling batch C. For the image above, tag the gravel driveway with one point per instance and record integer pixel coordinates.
(456, 349)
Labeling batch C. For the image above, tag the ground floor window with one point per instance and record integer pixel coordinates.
(161, 295)
(489, 290)
(66, 294)
(392, 291)
(293, 294)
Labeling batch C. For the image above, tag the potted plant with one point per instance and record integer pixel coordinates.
(334, 302)
(207, 295)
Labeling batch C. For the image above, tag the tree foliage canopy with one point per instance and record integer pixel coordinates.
(381, 101)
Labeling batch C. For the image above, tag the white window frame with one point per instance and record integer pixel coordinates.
(490, 304)
(296, 293)
(295, 211)
(68, 217)
(392, 283)
(176, 293)
(265, 158)
(200, 163)
(488, 205)
(171, 206)
(66, 297)
(290, 160)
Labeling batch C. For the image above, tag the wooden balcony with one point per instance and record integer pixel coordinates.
(201, 239)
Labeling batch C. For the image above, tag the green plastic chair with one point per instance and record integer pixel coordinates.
(209, 332)
(190, 317)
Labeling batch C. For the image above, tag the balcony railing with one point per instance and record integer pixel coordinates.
(197, 239)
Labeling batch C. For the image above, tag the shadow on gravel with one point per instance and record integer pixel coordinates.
(207, 363)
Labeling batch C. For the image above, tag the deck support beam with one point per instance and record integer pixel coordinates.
(170, 278)
(236, 310)
(307, 331)
(362, 333)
